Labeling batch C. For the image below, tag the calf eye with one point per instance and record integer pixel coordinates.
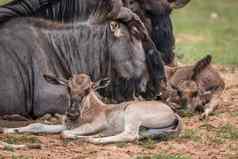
(179, 93)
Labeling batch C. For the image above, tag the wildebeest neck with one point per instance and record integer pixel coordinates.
(84, 42)
(69, 10)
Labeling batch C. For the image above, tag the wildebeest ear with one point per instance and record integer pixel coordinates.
(55, 80)
(103, 83)
(177, 4)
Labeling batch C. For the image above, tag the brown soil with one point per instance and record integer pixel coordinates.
(203, 141)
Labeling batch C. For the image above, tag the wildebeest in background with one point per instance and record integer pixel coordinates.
(89, 119)
(197, 87)
(81, 10)
(154, 13)
(32, 47)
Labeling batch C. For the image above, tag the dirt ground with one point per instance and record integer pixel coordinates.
(214, 138)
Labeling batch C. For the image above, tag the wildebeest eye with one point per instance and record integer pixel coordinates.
(114, 26)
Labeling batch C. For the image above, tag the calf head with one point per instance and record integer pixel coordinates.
(186, 94)
(79, 87)
(184, 89)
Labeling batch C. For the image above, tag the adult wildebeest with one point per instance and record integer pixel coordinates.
(81, 10)
(31, 47)
(154, 13)
(197, 87)
(91, 120)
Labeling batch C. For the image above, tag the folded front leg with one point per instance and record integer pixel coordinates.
(212, 105)
(86, 129)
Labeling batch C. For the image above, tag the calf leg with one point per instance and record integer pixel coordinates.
(35, 128)
(211, 106)
(131, 133)
(86, 129)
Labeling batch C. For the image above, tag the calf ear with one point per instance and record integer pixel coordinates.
(55, 80)
(103, 83)
(201, 65)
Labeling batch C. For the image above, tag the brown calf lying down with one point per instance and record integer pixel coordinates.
(198, 87)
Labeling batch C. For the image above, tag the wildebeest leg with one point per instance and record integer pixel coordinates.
(212, 105)
(86, 129)
(35, 128)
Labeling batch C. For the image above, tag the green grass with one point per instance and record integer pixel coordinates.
(21, 139)
(164, 156)
(3, 1)
(190, 134)
(20, 157)
(228, 131)
(148, 143)
(207, 27)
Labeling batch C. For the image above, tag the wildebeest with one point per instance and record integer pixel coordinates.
(198, 87)
(81, 10)
(154, 13)
(89, 119)
(31, 47)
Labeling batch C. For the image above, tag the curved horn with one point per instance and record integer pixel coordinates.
(177, 4)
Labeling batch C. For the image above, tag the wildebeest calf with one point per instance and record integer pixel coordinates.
(198, 87)
(91, 120)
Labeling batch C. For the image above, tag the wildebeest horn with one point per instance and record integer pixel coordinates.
(55, 80)
(177, 4)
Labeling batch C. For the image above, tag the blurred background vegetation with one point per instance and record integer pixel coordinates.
(206, 27)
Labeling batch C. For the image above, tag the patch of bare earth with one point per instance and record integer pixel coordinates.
(214, 138)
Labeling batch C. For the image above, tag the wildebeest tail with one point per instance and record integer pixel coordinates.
(201, 65)
(164, 133)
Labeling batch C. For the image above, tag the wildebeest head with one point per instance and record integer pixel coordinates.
(79, 86)
(127, 53)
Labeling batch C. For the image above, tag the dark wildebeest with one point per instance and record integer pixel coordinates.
(198, 87)
(154, 13)
(89, 119)
(31, 47)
